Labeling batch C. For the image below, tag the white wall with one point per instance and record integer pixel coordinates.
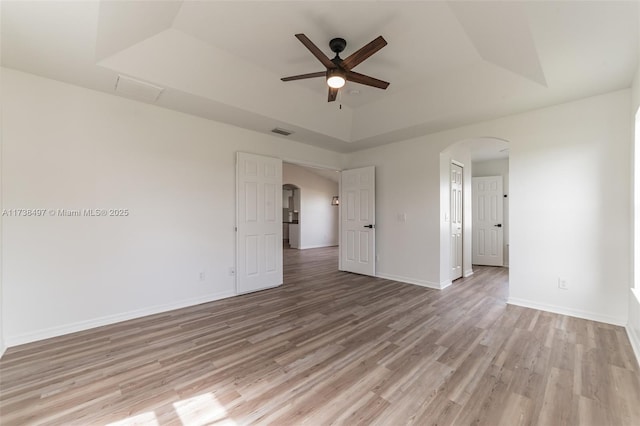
(66, 147)
(318, 218)
(569, 205)
(498, 167)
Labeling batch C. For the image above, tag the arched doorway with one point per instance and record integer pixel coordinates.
(291, 215)
(463, 239)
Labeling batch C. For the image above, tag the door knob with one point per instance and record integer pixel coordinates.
(369, 226)
(498, 225)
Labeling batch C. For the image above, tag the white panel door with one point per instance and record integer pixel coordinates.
(259, 222)
(456, 221)
(487, 221)
(357, 220)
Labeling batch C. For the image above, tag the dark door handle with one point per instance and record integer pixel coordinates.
(369, 226)
(498, 225)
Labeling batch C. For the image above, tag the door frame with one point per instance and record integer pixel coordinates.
(303, 163)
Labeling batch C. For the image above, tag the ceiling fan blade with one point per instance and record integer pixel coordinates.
(333, 93)
(366, 80)
(360, 55)
(315, 51)
(303, 76)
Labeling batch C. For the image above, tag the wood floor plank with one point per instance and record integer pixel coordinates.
(329, 347)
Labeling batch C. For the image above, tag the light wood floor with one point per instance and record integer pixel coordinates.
(331, 347)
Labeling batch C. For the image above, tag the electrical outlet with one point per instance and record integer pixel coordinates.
(232, 271)
(202, 276)
(563, 284)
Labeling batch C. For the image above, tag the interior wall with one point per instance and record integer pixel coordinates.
(66, 147)
(318, 218)
(569, 205)
(499, 167)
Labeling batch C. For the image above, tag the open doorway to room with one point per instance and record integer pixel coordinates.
(310, 215)
(474, 227)
(490, 209)
(290, 216)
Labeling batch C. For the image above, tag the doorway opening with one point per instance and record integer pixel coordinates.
(290, 216)
(462, 237)
(310, 216)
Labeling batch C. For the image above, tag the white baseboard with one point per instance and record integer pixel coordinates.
(421, 283)
(633, 325)
(47, 333)
(467, 273)
(317, 246)
(445, 284)
(593, 316)
(3, 348)
(635, 342)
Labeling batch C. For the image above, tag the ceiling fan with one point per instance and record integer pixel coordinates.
(339, 70)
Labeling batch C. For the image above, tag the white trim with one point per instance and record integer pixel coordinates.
(632, 325)
(635, 342)
(593, 316)
(457, 163)
(3, 349)
(111, 319)
(261, 289)
(468, 273)
(421, 283)
(445, 284)
(317, 246)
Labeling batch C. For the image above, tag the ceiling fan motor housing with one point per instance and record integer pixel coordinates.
(337, 45)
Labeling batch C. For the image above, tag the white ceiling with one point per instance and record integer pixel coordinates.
(449, 63)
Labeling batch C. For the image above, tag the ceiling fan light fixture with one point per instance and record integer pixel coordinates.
(339, 69)
(336, 78)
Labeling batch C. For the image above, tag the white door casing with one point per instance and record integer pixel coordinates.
(357, 221)
(488, 232)
(456, 221)
(259, 222)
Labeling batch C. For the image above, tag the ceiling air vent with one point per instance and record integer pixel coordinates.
(282, 132)
(136, 89)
